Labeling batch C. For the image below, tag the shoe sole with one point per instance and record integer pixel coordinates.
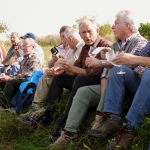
(99, 135)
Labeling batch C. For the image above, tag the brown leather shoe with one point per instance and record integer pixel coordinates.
(124, 139)
(107, 127)
(97, 122)
(64, 139)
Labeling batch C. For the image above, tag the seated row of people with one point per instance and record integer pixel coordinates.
(92, 82)
(110, 105)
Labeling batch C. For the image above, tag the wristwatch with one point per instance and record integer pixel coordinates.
(103, 63)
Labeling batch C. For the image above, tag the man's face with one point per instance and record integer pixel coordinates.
(27, 47)
(88, 32)
(70, 42)
(14, 39)
(63, 39)
(118, 29)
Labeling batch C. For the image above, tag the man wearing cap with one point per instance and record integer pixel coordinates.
(38, 49)
(29, 63)
(10, 64)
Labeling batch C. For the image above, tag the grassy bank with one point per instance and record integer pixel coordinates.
(17, 136)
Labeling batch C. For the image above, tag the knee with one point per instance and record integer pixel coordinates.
(16, 67)
(82, 95)
(81, 79)
(146, 75)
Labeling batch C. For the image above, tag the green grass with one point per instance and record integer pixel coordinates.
(46, 50)
(16, 136)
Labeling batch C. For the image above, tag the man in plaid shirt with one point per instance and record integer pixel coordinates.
(30, 63)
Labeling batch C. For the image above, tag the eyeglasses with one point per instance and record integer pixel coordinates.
(26, 46)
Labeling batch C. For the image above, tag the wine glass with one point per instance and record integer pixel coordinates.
(121, 71)
(90, 53)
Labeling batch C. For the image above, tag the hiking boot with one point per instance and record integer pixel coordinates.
(12, 110)
(38, 113)
(97, 122)
(24, 116)
(58, 131)
(124, 139)
(35, 114)
(34, 108)
(107, 127)
(64, 139)
(32, 119)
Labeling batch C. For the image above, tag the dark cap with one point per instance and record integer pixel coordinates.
(28, 35)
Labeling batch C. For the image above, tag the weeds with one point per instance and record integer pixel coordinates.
(16, 136)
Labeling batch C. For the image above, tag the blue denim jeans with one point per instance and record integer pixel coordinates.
(13, 70)
(117, 87)
(140, 88)
(148, 147)
(141, 103)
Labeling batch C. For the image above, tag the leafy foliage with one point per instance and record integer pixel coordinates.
(3, 27)
(106, 32)
(144, 30)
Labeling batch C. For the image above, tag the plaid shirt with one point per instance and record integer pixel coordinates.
(135, 51)
(145, 52)
(80, 62)
(28, 65)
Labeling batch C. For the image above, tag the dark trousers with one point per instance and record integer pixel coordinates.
(71, 83)
(10, 89)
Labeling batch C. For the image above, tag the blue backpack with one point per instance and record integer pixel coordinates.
(25, 95)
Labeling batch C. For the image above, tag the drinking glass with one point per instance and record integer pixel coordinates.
(90, 53)
(121, 71)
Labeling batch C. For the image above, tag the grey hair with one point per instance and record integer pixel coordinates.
(71, 32)
(85, 20)
(32, 42)
(126, 16)
(18, 35)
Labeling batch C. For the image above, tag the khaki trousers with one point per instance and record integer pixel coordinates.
(87, 96)
(42, 89)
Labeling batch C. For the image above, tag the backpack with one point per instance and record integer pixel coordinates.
(25, 95)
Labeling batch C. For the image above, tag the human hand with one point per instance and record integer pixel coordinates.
(57, 70)
(47, 71)
(54, 56)
(92, 62)
(65, 65)
(124, 59)
(4, 78)
(7, 69)
(1, 65)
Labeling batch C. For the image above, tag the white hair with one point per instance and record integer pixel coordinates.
(32, 42)
(71, 32)
(126, 16)
(86, 20)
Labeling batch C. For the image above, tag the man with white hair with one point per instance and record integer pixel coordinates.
(29, 63)
(129, 41)
(10, 65)
(71, 37)
(38, 49)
